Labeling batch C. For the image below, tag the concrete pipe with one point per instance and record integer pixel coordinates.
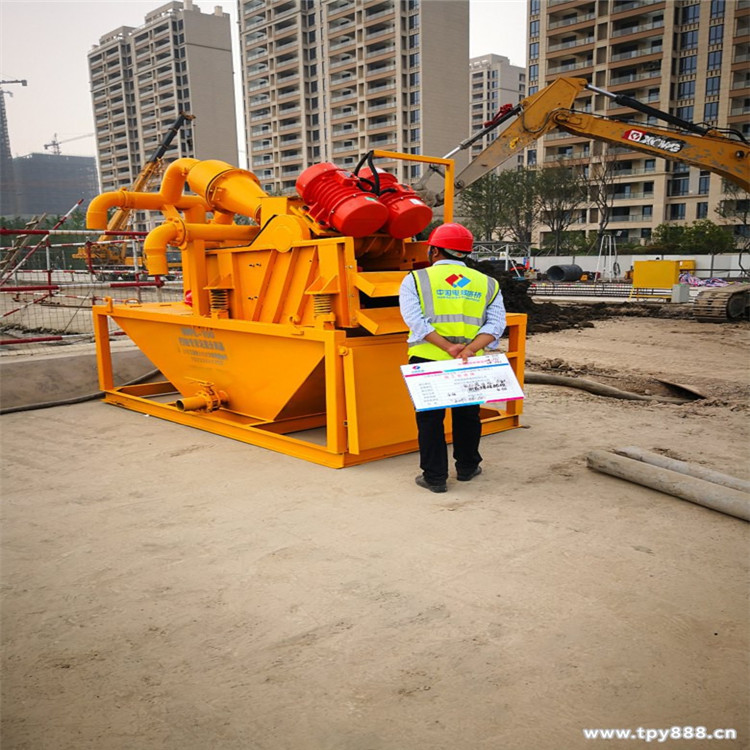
(724, 499)
(564, 273)
(692, 470)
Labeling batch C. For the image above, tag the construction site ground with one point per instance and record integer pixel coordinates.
(168, 588)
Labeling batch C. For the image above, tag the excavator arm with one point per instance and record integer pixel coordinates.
(552, 108)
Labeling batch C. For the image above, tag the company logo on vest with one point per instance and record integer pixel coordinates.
(457, 280)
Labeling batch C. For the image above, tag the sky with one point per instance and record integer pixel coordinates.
(46, 42)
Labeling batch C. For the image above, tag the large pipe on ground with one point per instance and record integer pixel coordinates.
(693, 470)
(724, 499)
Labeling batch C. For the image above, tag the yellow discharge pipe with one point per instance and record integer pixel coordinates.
(176, 233)
(170, 194)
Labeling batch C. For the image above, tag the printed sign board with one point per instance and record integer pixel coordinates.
(447, 383)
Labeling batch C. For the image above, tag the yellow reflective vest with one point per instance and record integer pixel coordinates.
(454, 299)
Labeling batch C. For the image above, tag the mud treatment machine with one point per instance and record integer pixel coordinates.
(288, 335)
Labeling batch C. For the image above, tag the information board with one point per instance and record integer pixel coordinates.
(481, 380)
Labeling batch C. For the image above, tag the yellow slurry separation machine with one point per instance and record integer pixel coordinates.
(289, 335)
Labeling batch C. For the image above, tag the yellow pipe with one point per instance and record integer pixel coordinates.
(155, 246)
(175, 177)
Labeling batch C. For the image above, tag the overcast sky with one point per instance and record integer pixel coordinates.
(46, 42)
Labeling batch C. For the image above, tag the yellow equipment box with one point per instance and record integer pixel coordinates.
(659, 274)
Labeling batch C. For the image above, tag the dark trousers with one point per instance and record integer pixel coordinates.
(433, 450)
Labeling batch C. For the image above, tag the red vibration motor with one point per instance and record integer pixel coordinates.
(407, 213)
(333, 198)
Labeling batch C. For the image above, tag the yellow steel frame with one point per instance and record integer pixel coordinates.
(283, 364)
(343, 432)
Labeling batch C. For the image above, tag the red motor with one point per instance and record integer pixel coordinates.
(333, 198)
(407, 213)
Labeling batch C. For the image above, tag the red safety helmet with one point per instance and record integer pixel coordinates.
(452, 237)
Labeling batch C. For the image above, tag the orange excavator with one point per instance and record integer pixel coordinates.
(723, 151)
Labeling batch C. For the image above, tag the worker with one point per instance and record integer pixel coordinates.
(453, 312)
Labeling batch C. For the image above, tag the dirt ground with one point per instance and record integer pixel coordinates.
(168, 588)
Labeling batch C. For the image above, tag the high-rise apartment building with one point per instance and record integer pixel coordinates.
(686, 57)
(494, 82)
(330, 80)
(179, 60)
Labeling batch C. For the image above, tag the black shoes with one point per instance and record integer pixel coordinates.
(422, 482)
(470, 476)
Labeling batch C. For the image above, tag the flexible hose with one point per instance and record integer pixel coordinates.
(599, 389)
(75, 399)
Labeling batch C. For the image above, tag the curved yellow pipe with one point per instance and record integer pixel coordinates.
(155, 246)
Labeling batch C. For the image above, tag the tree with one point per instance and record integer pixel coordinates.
(668, 239)
(519, 204)
(561, 191)
(701, 237)
(706, 237)
(736, 208)
(481, 204)
(601, 181)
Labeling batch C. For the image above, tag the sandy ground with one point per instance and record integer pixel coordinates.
(166, 588)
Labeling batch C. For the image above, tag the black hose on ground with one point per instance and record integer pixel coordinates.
(75, 399)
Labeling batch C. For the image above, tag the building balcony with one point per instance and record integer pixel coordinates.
(382, 87)
(344, 129)
(390, 104)
(640, 194)
(571, 21)
(618, 56)
(633, 4)
(381, 51)
(569, 45)
(375, 33)
(632, 77)
(346, 41)
(579, 65)
(348, 94)
(627, 31)
(289, 126)
(341, 149)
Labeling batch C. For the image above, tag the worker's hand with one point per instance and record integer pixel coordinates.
(465, 353)
(455, 350)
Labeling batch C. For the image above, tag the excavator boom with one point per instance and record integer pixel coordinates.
(552, 108)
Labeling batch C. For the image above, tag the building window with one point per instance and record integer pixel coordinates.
(685, 113)
(647, 212)
(713, 85)
(701, 210)
(533, 72)
(534, 7)
(531, 157)
(717, 8)
(677, 211)
(703, 182)
(716, 34)
(678, 186)
(686, 90)
(691, 13)
(689, 39)
(688, 64)
(710, 111)
(714, 60)
(534, 28)
(533, 90)
(534, 51)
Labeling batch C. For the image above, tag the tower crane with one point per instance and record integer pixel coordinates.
(54, 144)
